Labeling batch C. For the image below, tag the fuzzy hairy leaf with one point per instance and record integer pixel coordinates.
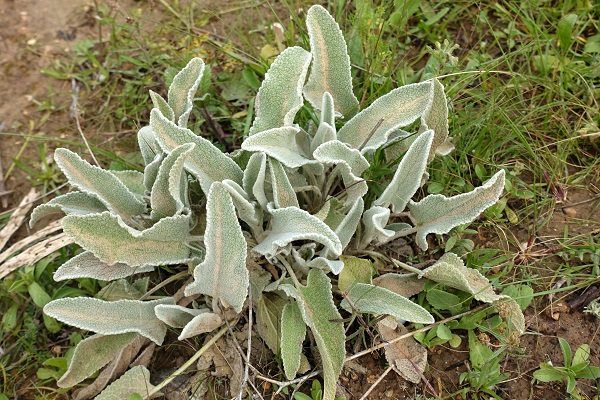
(79, 203)
(223, 273)
(293, 331)
(183, 89)
(350, 162)
(148, 145)
(169, 192)
(86, 265)
(450, 270)
(134, 381)
(283, 192)
(373, 299)
(162, 105)
(110, 317)
(151, 171)
(437, 213)
(280, 95)
(205, 161)
(133, 180)
(435, 117)
(370, 129)
(246, 210)
(93, 353)
(203, 323)
(177, 316)
(111, 241)
(287, 144)
(290, 224)
(374, 220)
(98, 182)
(347, 227)
(330, 71)
(268, 320)
(254, 178)
(322, 317)
(356, 270)
(408, 176)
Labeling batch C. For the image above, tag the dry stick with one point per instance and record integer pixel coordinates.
(189, 362)
(2, 186)
(377, 382)
(249, 349)
(75, 114)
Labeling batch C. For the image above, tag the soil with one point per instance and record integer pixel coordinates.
(33, 33)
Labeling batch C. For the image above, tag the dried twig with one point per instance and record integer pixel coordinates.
(24, 243)
(17, 217)
(35, 253)
(74, 110)
(377, 382)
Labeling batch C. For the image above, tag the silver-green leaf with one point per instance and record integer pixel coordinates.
(98, 182)
(112, 241)
(292, 223)
(437, 213)
(86, 265)
(370, 129)
(79, 203)
(408, 176)
(280, 95)
(319, 312)
(330, 70)
(202, 323)
(293, 331)
(367, 298)
(111, 317)
(169, 191)
(205, 161)
(283, 192)
(183, 89)
(254, 178)
(91, 354)
(223, 273)
(287, 144)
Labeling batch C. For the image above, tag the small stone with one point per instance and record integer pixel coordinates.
(569, 211)
(389, 393)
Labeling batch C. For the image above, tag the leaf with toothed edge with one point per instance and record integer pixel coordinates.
(162, 105)
(280, 95)
(330, 70)
(112, 241)
(223, 273)
(205, 161)
(133, 180)
(246, 209)
(100, 183)
(86, 265)
(111, 317)
(437, 213)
